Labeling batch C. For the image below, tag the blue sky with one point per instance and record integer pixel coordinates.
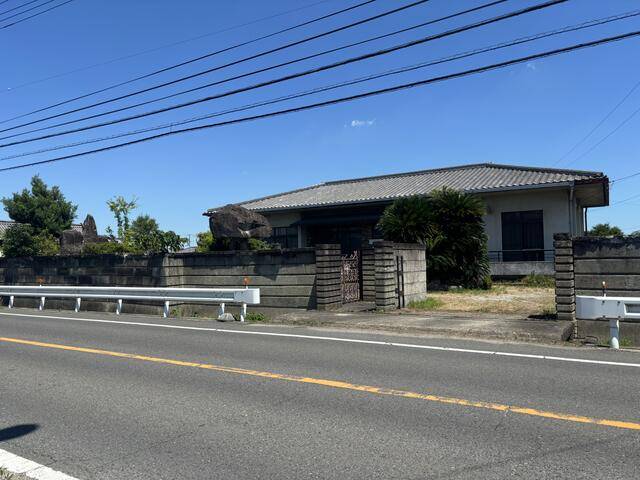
(527, 114)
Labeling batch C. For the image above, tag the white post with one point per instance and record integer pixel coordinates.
(11, 301)
(41, 306)
(614, 332)
(165, 311)
(119, 307)
(78, 301)
(243, 312)
(221, 310)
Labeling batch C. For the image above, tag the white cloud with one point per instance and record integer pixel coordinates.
(531, 66)
(362, 123)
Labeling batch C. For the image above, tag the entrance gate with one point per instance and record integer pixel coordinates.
(350, 277)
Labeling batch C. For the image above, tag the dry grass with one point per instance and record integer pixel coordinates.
(518, 299)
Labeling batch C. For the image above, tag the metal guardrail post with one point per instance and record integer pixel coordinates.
(41, 306)
(11, 301)
(165, 310)
(78, 301)
(119, 307)
(614, 333)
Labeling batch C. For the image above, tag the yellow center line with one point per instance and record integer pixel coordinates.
(339, 384)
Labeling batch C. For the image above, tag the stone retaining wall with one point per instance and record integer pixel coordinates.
(287, 278)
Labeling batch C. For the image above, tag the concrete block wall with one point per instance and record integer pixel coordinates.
(564, 277)
(385, 263)
(415, 270)
(286, 278)
(615, 261)
(582, 264)
(328, 282)
(368, 274)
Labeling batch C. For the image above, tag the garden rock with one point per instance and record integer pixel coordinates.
(238, 225)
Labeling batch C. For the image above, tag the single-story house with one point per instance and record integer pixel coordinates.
(525, 207)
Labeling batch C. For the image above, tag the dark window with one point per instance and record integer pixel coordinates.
(287, 237)
(522, 236)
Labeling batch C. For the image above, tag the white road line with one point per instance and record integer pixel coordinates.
(338, 339)
(19, 465)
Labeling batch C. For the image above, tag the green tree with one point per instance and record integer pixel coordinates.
(144, 237)
(21, 240)
(121, 209)
(450, 225)
(605, 230)
(205, 242)
(43, 208)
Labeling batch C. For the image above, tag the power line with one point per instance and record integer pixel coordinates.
(28, 10)
(213, 69)
(35, 15)
(386, 73)
(18, 7)
(598, 125)
(625, 200)
(192, 60)
(295, 75)
(161, 47)
(350, 98)
(228, 79)
(620, 179)
(599, 142)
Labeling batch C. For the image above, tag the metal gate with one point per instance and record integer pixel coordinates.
(350, 277)
(400, 280)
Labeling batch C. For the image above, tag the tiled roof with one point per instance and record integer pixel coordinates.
(484, 177)
(7, 224)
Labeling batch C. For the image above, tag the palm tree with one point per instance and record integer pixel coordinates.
(450, 225)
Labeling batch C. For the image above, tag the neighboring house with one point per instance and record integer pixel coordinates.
(7, 224)
(525, 207)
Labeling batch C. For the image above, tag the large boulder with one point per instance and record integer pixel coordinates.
(71, 242)
(238, 225)
(89, 229)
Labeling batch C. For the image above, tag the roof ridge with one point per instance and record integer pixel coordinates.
(463, 167)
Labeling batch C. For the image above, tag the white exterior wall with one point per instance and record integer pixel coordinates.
(557, 212)
(286, 219)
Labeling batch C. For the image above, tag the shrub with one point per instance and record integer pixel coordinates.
(21, 240)
(536, 280)
(408, 220)
(256, 317)
(205, 242)
(257, 244)
(104, 248)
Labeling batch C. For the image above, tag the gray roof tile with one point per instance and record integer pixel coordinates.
(483, 177)
(7, 224)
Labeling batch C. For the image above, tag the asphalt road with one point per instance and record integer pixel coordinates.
(205, 404)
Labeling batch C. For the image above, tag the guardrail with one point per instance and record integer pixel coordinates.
(613, 309)
(221, 296)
